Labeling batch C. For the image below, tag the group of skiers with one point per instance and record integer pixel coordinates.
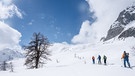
(99, 59)
(125, 58)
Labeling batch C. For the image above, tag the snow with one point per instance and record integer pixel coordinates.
(9, 54)
(130, 25)
(75, 60)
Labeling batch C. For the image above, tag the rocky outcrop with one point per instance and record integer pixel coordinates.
(117, 28)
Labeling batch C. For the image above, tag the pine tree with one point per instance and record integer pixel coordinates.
(37, 51)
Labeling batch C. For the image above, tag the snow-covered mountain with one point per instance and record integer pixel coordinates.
(124, 26)
(9, 54)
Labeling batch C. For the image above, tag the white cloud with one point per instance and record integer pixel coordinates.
(6, 2)
(8, 10)
(31, 22)
(106, 12)
(9, 36)
(85, 35)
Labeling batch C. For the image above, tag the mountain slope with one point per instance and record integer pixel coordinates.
(9, 54)
(77, 61)
(118, 27)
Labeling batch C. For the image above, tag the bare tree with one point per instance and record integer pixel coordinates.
(3, 66)
(11, 67)
(37, 51)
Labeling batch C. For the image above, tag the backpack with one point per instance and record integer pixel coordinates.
(127, 54)
(93, 57)
(123, 55)
(99, 57)
(104, 57)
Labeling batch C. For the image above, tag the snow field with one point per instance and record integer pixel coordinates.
(76, 60)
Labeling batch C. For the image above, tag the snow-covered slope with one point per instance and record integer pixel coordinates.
(124, 20)
(9, 54)
(75, 60)
(112, 48)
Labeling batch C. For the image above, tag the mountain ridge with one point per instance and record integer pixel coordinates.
(124, 19)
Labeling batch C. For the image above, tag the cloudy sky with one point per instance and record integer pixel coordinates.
(71, 21)
(59, 20)
(105, 13)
